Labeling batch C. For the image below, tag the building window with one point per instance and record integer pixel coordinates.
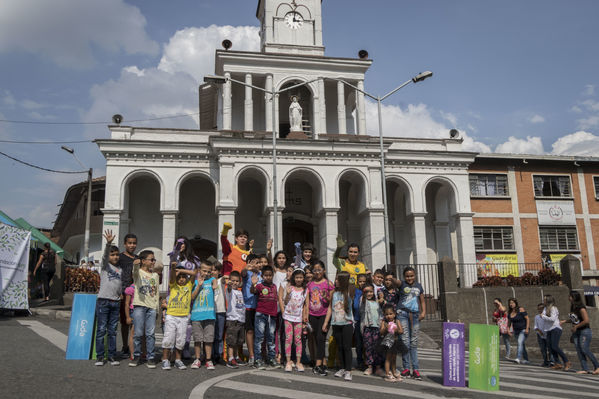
(558, 238)
(488, 185)
(552, 186)
(596, 181)
(493, 238)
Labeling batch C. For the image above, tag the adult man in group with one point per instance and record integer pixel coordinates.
(126, 259)
(351, 265)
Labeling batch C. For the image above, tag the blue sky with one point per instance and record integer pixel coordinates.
(513, 76)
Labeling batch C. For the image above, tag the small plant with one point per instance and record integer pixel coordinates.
(81, 280)
(545, 277)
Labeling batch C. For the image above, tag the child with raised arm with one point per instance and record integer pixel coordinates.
(108, 304)
(252, 269)
(234, 256)
(145, 305)
(203, 316)
(221, 311)
(177, 312)
(266, 314)
(235, 324)
(293, 303)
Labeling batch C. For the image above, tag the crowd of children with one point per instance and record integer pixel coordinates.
(281, 310)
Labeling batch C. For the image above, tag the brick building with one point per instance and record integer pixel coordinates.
(536, 209)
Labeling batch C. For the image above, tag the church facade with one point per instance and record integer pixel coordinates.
(161, 183)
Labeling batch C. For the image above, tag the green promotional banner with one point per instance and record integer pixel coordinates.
(483, 370)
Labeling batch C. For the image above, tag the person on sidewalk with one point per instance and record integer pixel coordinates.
(519, 322)
(553, 329)
(47, 264)
(582, 334)
(539, 328)
(350, 265)
(108, 303)
(126, 259)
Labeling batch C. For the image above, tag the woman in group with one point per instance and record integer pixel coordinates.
(500, 317)
(553, 329)
(581, 333)
(519, 322)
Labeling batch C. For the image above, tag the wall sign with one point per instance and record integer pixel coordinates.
(560, 213)
(454, 357)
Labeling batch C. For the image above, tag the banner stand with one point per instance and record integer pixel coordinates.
(81, 329)
(483, 370)
(453, 355)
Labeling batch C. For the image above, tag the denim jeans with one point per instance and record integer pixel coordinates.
(359, 340)
(553, 337)
(411, 328)
(265, 327)
(506, 341)
(144, 322)
(219, 329)
(582, 341)
(544, 348)
(108, 313)
(521, 337)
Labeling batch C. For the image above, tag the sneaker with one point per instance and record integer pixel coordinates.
(179, 364)
(136, 361)
(517, 361)
(151, 364)
(113, 361)
(288, 368)
(259, 364)
(232, 364)
(368, 371)
(347, 376)
(405, 373)
(299, 367)
(323, 371)
(316, 370)
(99, 362)
(251, 362)
(240, 362)
(416, 375)
(272, 363)
(196, 364)
(340, 373)
(166, 365)
(209, 365)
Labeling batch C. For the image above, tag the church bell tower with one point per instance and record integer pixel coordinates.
(291, 26)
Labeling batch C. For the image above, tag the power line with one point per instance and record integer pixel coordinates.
(94, 123)
(41, 168)
(46, 142)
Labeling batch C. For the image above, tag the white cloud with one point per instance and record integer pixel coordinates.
(589, 90)
(171, 88)
(579, 143)
(588, 122)
(514, 145)
(536, 118)
(414, 121)
(66, 31)
(449, 117)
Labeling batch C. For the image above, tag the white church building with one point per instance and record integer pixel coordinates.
(161, 183)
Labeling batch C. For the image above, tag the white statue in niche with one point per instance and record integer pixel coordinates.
(295, 116)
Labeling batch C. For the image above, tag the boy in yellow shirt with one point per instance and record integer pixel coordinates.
(177, 315)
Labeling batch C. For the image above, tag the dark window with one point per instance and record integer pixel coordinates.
(488, 185)
(596, 181)
(552, 186)
(558, 238)
(493, 238)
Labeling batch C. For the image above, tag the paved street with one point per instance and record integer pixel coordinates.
(34, 366)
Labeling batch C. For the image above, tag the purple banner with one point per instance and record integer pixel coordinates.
(454, 356)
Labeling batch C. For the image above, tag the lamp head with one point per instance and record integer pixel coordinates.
(67, 149)
(215, 79)
(117, 118)
(421, 76)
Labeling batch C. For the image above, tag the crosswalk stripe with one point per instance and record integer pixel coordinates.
(388, 389)
(564, 376)
(54, 336)
(271, 391)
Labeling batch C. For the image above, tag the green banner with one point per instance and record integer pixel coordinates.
(483, 370)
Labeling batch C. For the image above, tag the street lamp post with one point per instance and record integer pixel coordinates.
(221, 80)
(379, 99)
(88, 202)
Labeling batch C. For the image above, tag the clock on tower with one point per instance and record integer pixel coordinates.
(291, 26)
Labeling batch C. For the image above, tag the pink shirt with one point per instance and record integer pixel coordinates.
(267, 299)
(319, 294)
(130, 291)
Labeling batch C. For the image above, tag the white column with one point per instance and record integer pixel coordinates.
(328, 239)
(361, 110)
(323, 107)
(226, 214)
(270, 227)
(169, 233)
(442, 239)
(267, 104)
(341, 116)
(466, 252)
(588, 231)
(419, 239)
(276, 100)
(376, 239)
(226, 184)
(248, 115)
(513, 191)
(227, 111)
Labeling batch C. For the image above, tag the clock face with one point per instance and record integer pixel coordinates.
(294, 20)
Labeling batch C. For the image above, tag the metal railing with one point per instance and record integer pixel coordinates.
(487, 274)
(427, 275)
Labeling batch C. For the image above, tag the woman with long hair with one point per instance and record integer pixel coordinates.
(553, 329)
(500, 318)
(582, 334)
(519, 322)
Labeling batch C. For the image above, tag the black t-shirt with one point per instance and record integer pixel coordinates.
(576, 317)
(518, 321)
(49, 260)
(126, 265)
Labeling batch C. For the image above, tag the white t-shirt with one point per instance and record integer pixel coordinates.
(293, 309)
(219, 298)
(540, 325)
(236, 306)
(551, 321)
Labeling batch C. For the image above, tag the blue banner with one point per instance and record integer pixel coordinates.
(81, 329)
(454, 357)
